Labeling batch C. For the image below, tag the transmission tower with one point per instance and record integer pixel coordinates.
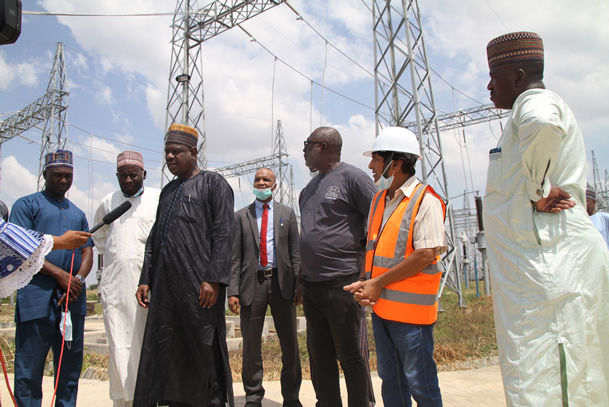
(192, 25)
(403, 93)
(599, 186)
(278, 162)
(50, 108)
(281, 165)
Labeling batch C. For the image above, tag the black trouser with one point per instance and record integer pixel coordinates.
(253, 316)
(333, 330)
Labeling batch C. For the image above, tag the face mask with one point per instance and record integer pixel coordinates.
(138, 193)
(384, 183)
(313, 174)
(263, 194)
(65, 316)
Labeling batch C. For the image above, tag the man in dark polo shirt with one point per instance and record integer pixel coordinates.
(334, 207)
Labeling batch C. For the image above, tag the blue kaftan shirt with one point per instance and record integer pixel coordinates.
(45, 214)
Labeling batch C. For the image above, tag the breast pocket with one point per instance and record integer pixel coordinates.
(190, 209)
(495, 171)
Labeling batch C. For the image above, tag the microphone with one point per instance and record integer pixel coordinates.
(112, 216)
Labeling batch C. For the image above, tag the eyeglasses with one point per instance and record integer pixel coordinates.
(306, 143)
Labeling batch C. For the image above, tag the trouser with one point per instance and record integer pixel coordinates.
(253, 316)
(405, 363)
(333, 330)
(33, 339)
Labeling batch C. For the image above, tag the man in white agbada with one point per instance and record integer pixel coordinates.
(549, 266)
(122, 243)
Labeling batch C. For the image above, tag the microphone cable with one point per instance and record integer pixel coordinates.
(63, 339)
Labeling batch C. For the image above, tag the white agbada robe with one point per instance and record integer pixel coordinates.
(122, 243)
(549, 272)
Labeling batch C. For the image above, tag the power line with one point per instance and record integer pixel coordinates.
(300, 17)
(302, 74)
(327, 41)
(309, 52)
(113, 140)
(453, 88)
(496, 15)
(50, 13)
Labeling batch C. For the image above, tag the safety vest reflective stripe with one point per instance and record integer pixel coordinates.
(408, 298)
(370, 245)
(388, 262)
(434, 270)
(413, 300)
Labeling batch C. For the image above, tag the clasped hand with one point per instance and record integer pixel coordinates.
(365, 292)
(75, 288)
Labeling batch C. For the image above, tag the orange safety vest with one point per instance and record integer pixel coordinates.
(413, 300)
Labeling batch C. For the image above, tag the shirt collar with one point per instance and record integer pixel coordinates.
(407, 187)
(260, 203)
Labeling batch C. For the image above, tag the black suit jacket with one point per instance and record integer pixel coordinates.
(246, 252)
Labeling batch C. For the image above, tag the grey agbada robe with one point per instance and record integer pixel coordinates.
(184, 352)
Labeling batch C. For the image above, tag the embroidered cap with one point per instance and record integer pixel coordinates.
(514, 47)
(591, 194)
(60, 158)
(181, 134)
(130, 158)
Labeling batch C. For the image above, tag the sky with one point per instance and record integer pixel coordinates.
(118, 68)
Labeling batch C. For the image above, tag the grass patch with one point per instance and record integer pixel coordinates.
(461, 335)
(464, 334)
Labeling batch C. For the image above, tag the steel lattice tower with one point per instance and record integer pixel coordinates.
(281, 168)
(403, 93)
(50, 108)
(194, 23)
(278, 162)
(55, 133)
(600, 187)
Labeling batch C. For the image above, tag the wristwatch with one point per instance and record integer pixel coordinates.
(80, 278)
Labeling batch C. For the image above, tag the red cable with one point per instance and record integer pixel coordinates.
(62, 343)
(8, 385)
(63, 339)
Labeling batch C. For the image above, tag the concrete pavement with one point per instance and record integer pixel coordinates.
(476, 387)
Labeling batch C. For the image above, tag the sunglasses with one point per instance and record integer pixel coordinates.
(306, 143)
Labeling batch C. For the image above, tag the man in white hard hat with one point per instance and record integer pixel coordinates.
(401, 274)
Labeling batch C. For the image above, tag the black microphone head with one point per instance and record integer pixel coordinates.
(117, 212)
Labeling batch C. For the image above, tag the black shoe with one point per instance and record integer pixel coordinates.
(292, 403)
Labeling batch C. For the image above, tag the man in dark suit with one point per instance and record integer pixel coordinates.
(266, 261)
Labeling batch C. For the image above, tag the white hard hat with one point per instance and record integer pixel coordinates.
(396, 139)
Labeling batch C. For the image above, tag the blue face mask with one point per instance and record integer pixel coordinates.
(263, 194)
(138, 193)
(385, 183)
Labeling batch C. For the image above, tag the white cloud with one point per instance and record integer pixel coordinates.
(104, 95)
(13, 75)
(129, 61)
(17, 181)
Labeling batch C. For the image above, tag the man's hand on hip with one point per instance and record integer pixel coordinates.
(556, 201)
